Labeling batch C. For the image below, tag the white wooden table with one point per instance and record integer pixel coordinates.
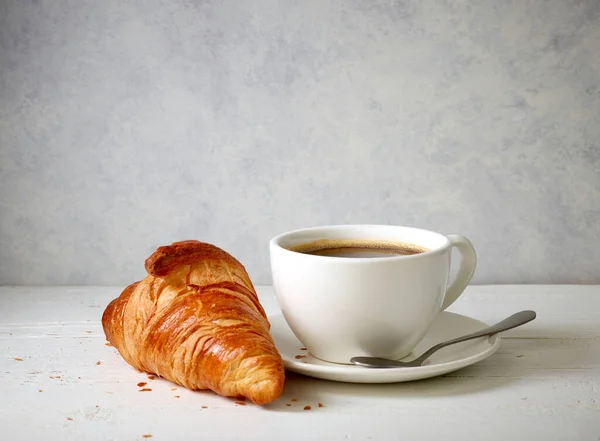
(59, 381)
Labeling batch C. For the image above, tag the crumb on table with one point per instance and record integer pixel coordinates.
(145, 389)
(141, 384)
(18, 359)
(307, 407)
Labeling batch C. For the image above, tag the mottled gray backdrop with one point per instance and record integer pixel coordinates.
(125, 125)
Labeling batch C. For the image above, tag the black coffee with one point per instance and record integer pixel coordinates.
(356, 248)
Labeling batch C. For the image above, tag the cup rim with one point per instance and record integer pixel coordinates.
(274, 243)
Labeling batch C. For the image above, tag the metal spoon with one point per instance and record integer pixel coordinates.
(513, 321)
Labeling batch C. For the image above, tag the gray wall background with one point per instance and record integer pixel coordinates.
(126, 125)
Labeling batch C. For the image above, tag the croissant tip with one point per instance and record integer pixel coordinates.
(184, 252)
(266, 392)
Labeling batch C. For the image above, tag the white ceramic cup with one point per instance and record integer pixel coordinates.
(345, 307)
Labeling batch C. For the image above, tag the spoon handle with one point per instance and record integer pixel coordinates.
(513, 321)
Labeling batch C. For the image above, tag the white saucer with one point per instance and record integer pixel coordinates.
(447, 325)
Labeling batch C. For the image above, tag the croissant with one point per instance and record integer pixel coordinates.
(196, 320)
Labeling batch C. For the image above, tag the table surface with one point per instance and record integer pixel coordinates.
(59, 381)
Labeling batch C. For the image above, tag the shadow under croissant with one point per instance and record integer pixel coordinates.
(302, 393)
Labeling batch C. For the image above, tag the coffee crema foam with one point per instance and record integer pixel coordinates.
(356, 248)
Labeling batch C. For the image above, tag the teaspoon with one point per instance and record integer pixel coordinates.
(511, 322)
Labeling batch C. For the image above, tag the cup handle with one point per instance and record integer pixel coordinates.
(468, 263)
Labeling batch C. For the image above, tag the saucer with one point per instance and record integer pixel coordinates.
(447, 325)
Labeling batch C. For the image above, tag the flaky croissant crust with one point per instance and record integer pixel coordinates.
(196, 320)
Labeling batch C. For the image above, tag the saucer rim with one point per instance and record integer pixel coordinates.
(390, 374)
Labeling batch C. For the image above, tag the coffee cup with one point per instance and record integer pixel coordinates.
(366, 290)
